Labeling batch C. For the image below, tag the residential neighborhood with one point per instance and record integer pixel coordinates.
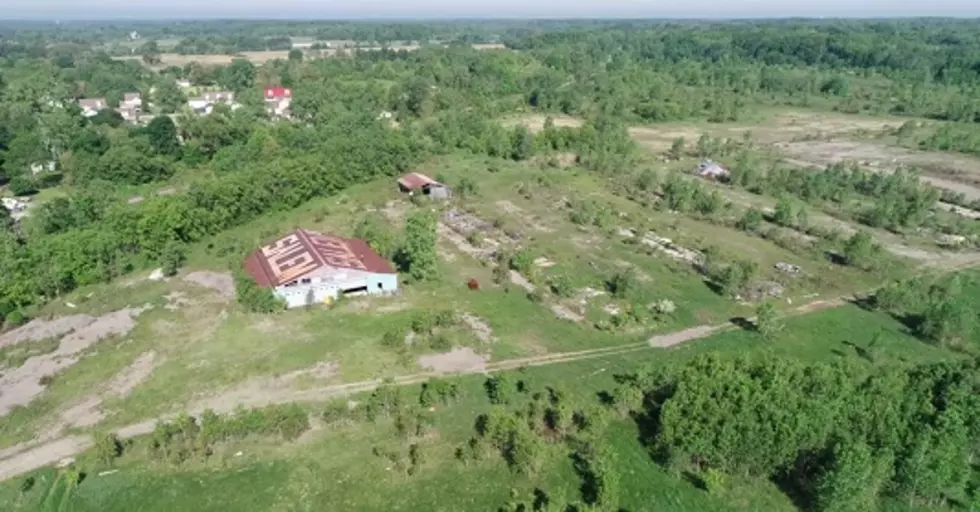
(278, 100)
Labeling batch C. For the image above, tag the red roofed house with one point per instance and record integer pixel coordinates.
(415, 181)
(306, 267)
(278, 100)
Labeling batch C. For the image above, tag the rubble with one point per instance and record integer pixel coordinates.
(789, 268)
(668, 247)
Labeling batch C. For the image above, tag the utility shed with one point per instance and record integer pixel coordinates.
(415, 181)
(306, 267)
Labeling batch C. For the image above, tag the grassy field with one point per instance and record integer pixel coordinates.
(333, 467)
(206, 347)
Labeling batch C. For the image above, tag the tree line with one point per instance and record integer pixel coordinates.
(835, 436)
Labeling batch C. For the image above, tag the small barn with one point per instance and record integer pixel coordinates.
(417, 182)
(306, 267)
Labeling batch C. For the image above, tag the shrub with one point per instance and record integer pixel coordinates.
(499, 388)
(27, 484)
(523, 262)
(561, 285)
(107, 449)
(255, 298)
(15, 318)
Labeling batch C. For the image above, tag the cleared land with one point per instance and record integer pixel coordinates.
(259, 475)
(260, 57)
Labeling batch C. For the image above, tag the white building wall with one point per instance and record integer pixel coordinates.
(327, 285)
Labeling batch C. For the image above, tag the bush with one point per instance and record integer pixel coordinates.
(523, 262)
(22, 186)
(561, 285)
(107, 449)
(255, 298)
(27, 484)
(15, 318)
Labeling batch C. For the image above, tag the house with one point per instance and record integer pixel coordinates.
(131, 100)
(16, 206)
(414, 181)
(306, 267)
(204, 104)
(39, 167)
(92, 106)
(184, 84)
(712, 170)
(130, 115)
(278, 100)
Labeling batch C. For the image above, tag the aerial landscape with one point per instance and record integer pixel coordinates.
(502, 265)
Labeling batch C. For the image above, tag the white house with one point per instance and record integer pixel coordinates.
(92, 106)
(204, 104)
(306, 267)
(39, 167)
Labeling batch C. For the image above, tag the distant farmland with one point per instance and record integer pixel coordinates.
(176, 59)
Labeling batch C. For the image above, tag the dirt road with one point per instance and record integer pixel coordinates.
(27, 457)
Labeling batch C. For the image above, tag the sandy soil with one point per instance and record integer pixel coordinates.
(21, 385)
(222, 283)
(462, 359)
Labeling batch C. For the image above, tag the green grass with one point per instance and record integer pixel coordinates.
(335, 469)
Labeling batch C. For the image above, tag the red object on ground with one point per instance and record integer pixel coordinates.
(473, 284)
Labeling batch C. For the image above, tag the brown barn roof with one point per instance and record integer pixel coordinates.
(415, 180)
(302, 252)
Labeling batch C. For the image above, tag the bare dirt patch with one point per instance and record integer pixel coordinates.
(566, 314)
(222, 283)
(177, 300)
(22, 385)
(462, 359)
(676, 338)
(479, 327)
(40, 329)
(519, 280)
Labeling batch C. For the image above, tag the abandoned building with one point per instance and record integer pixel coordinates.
(414, 181)
(306, 267)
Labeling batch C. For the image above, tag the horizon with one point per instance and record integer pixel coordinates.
(447, 10)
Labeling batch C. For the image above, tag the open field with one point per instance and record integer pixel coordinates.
(304, 473)
(260, 57)
(146, 347)
(207, 350)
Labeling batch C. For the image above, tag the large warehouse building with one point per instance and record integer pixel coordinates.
(306, 267)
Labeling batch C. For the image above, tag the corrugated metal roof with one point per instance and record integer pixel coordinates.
(415, 180)
(303, 252)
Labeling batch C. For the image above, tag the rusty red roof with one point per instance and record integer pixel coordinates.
(415, 180)
(303, 252)
(278, 93)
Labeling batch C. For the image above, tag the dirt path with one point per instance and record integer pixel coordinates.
(30, 456)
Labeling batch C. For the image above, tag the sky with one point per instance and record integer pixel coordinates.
(326, 9)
